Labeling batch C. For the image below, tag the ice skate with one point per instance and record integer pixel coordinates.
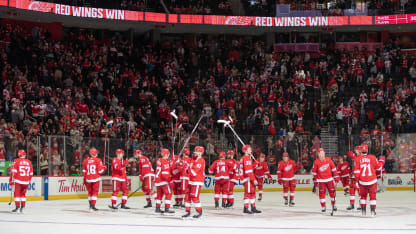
(113, 207)
(93, 208)
(186, 215)
(351, 207)
(260, 197)
(223, 204)
(16, 210)
(323, 209)
(216, 205)
(176, 205)
(149, 204)
(168, 211)
(255, 211)
(21, 209)
(123, 206)
(157, 210)
(363, 212)
(373, 212)
(291, 203)
(198, 215)
(230, 204)
(286, 202)
(247, 211)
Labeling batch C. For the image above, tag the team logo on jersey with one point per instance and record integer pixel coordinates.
(288, 168)
(324, 167)
(343, 167)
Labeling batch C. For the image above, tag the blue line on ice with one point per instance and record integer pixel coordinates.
(211, 227)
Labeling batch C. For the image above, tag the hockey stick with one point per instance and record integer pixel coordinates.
(131, 194)
(190, 135)
(227, 124)
(11, 191)
(173, 132)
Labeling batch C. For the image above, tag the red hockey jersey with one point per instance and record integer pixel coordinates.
(22, 171)
(119, 169)
(343, 169)
(145, 167)
(261, 169)
(220, 168)
(184, 168)
(286, 171)
(233, 170)
(196, 172)
(163, 172)
(324, 170)
(92, 168)
(246, 169)
(365, 169)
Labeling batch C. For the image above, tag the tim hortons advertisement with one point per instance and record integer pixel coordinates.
(75, 185)
(35, 187)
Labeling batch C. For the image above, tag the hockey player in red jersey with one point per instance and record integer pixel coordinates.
(249, 181)
(286, 175)
(21, 174)
(120, 180)
(344, 171)
(261, 170)
(325, 173)
(353, 183)
(162, 182)
(184, 165)
(365, 172)
(196, 180)
(92, 169)
(176, 179)
(220, 169)
(233, 175)
(147, 176)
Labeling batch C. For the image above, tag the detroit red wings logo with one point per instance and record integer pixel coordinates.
(40, 6)
(238, 20)
(288, 168)
(324, 167)
(343, 167)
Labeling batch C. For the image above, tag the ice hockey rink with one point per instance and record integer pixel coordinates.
(396, 213)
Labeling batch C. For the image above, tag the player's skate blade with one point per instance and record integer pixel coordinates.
(124, 207)
(113, 207)
(186, 215)
(198, 215)
(255, 211)
(223, 205)
(323, 209)
(21, 209)
(217, 204)
(149, 204)
(286, 202)
(247, 211)
(168, 211)
(351, 207)
(16, 210)
(373, 212)
(93, 208)
(157, 210)
(259, 199)
(291, 203)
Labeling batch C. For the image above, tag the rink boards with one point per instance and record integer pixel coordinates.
(55, 188)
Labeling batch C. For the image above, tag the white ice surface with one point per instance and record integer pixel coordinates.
(396, 213)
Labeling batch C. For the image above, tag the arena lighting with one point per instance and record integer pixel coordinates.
(257, 21)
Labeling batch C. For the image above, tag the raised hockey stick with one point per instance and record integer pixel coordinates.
(190, 135)
(227, 124)
(173, 132)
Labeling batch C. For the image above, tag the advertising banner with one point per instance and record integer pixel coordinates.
(35, 187)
